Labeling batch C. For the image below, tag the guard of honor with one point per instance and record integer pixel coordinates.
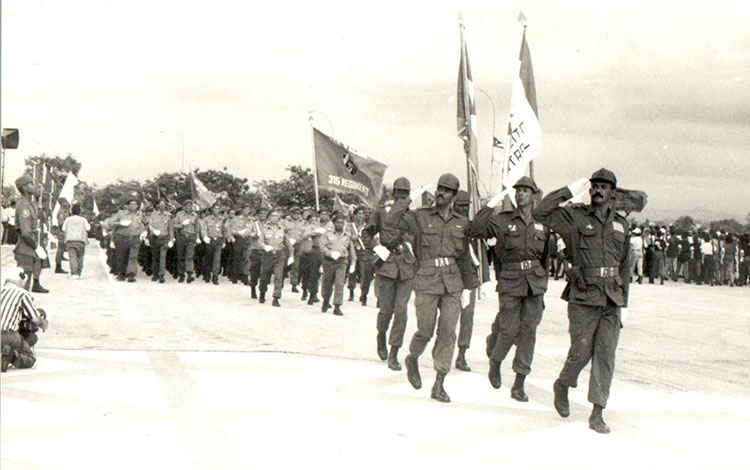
(427, 250)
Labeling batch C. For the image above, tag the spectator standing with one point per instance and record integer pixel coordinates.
(75, 231)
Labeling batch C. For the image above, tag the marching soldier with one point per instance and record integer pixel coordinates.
(128, 231)
(363, 245)
(397, 267)
(522, 251)
(255, 249)
(27, 251)
(294, 229)
(338, 253)
(186, 234)
(311, 259)
(212, 233)
(275, 246)
(598, 242)
(161, 234)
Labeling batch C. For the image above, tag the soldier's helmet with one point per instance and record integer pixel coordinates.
(449, 181)
(462, 198)
(402, 183)
(527, 182)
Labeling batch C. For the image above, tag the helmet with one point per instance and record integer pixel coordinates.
(462, 199)
(449, 181)
(527, 182)
(402, 183)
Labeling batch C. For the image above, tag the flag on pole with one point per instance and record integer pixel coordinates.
(342, 207)
(67, 191)
(95, 209)
(498, 150)
(341, 170)
(201, 195)
(524, 133)
(467, 119)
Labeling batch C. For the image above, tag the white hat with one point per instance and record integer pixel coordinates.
(14, 275)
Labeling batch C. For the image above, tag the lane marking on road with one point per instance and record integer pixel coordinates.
(126, 309)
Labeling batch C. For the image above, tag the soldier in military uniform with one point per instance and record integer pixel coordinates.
(363, 244)
(161, 234)
(27, 249)
(255, 250)
(275, 246)
(338, 254)
(397, 267)
(128, 229)
(186, 233)
(598, 242)
(462, 204)
(62, 214)
(212, 233)
(522, 251)
(441, 249)
(294, 228)
(311, 259)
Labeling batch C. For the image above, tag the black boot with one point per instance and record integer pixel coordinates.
(245, 280)
(182, 278)
(154, 278)
(215, 279)
(59, 269)
(337, 310)
(393, 359)
(294, 289)
(131, 277)
(438, 392)
(461, 360)
(262, 298)
(304, 295)
(161, 279)
(37, 288)
(382, 349)
(363, 300)
(561, 399)
(412, 372)
(596, 421)
(324, 308)
(351, 295)
(121, 277)
(516, 391)
(494, 374)
(491, 339)
(275, 302)
(190, 277)
(206, 278)
(312, 299)
(253, 293)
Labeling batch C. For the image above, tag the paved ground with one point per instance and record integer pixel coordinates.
(201, 377)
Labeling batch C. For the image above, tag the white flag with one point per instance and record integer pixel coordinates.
(67, 191)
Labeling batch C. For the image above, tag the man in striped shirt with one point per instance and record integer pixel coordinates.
(19, 318)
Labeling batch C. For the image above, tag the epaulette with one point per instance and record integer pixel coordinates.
(578, 204)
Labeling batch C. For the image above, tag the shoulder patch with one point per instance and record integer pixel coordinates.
(25, 213)
(618, 227)
(538, 226)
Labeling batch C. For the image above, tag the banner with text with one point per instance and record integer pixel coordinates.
(341, 170)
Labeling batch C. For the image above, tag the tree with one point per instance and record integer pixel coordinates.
(728, 225)
(9, 193)
(298, 189)
(684, 222)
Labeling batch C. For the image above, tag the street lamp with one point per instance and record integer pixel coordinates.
(182, 142)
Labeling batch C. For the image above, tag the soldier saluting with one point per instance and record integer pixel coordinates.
(598, 242)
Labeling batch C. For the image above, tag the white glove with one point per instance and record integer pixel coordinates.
(465, 297)
(146, 242)
(230, 239)
(486, 290)
(242, 232)
(207, 240)
(125, 223)
(418, 192)
(197, 239)
(104, 232)
(41, 253)
(144, 235)
(268, 248)
(498, 198)
(335, 255)
(352, 268)
(292, 241)
(170, 244)
(112, 245)
(186, 222)
(156, 232)
(579, 186)
(290, 261)
(623, 315)
(492, 241)
(382, 252)
(320, 230)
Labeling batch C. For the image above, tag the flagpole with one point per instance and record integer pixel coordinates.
(492, 147)
(467, 107)
(523, 36)
(314, 166)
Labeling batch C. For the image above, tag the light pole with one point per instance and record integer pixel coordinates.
(182, 142)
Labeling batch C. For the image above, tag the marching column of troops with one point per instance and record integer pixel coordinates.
(431, 251)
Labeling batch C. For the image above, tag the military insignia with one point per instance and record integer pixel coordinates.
(25, 213)
(349, 164)
(590, 227)
(539, 226)
(512, 228)
(618, 227)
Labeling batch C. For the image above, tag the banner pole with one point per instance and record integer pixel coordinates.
(314, 166)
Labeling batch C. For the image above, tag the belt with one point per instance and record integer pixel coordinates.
(522, 266)
(601, 272)
(443, 261)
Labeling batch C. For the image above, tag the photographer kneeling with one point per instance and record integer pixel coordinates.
(20, 321)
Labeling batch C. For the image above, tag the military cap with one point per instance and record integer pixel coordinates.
(449, 181)
(294, 210)
(359, 210)
(402, 183)
(23, 180)
(259, 210)
(527, 182)
(338, 216)
(605, 175)
(462, 198)
(187, 201)
(323, 210)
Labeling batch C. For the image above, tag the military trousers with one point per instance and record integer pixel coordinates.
(309, 266)
(594, 333)
(334, 275)
(272, 264)
(238, 257)
(23, 356)
(254, 264)
(393, 300)
(466, 321)
(126, 254)
(212, 259)
(159, 247)
(427, 305)
(185, 252)
(30, 264)
(363, 274)
(516, 323)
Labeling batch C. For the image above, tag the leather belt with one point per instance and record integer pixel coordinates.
(601, 272)
(444, 261)
(524, 265)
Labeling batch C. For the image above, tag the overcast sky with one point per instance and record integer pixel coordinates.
(659, 92)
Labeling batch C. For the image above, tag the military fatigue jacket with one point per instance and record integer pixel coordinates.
(275, 235)
(397, 230)
(211, 226)
(160, 222)
(341, 242)
(135, 228)
(294, 229)
(441, 248)
(522, 250)
(28, 227)
(186, 224)
(592, 244)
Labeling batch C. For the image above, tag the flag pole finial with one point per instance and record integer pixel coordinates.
(460, 19)
(522, 19)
